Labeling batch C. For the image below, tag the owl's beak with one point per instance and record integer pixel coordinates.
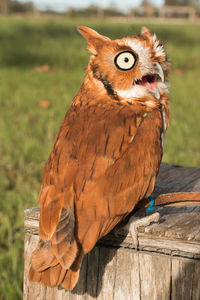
(159, 71)
(155, 93)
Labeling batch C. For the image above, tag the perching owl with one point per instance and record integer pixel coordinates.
(106, 154)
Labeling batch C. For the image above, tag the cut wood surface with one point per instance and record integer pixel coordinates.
(167, 265)
(173, 179)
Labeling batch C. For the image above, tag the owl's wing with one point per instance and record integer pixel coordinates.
(56, 199)
(103, 161)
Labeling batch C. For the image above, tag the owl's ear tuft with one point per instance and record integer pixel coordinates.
(159, 51)
(146, 31)
(95, 40)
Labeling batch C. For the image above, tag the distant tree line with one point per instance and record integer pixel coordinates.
(145, 9)
(182, 2)
(14, 6)
(94, 11)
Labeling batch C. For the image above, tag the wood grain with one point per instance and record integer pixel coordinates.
(172, 178)
(182, 281)
(155, 277)
(127, 276)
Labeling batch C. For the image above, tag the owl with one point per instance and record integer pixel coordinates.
(106, 154)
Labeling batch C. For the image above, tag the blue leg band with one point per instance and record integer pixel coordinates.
(152, 204)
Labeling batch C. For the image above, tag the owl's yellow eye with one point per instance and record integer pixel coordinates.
(125, 60)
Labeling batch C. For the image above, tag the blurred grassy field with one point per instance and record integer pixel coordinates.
(41, 68)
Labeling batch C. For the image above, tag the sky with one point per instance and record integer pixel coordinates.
(63, 5)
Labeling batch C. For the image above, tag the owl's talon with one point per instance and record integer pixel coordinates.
(136, 222)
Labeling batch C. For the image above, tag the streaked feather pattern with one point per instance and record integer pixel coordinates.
(105, 157)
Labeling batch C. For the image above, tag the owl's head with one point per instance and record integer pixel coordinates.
(131, 67)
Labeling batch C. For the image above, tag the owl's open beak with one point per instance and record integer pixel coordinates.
(151, 80)
(159, 71)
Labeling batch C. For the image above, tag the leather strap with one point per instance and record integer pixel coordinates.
(173, 199)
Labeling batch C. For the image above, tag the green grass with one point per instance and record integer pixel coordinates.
(27, 130)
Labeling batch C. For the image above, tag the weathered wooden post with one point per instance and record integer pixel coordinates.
(166, 266)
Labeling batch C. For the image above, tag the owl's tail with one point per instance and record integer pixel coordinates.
(46, 268)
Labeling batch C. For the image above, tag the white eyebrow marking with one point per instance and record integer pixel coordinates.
(141, 51)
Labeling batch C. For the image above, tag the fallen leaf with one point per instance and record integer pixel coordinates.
(178, 71)
(44, 103)
(44, 68)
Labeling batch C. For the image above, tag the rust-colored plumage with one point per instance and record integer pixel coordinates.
(106, 154)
